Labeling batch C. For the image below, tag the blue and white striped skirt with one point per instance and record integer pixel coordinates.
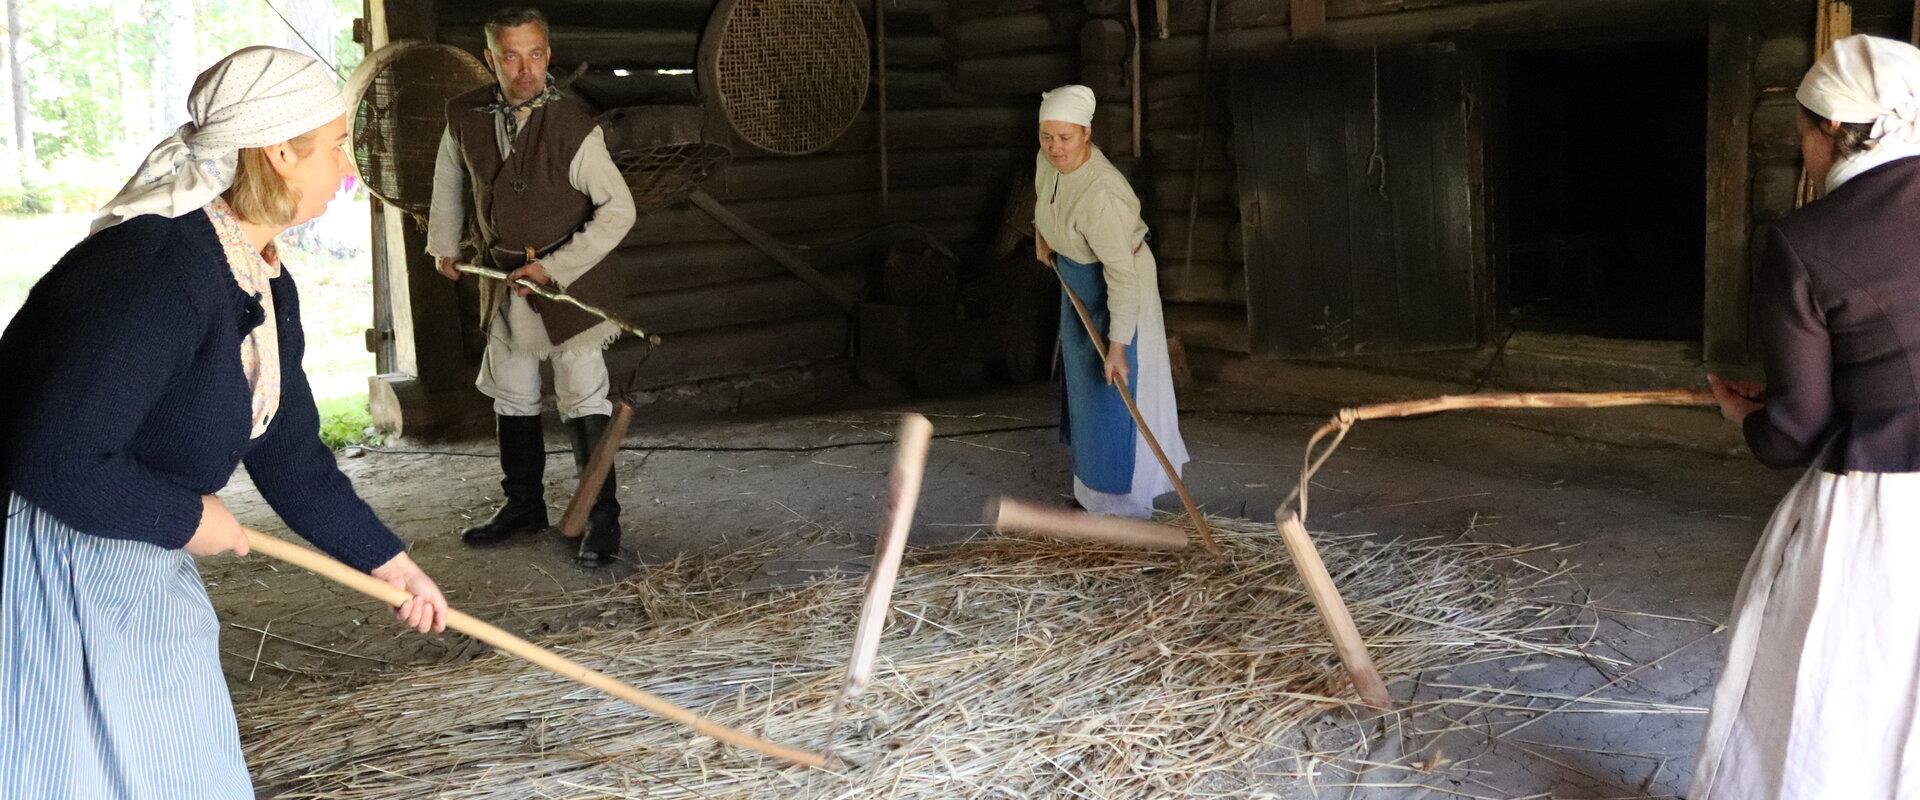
(110, 682)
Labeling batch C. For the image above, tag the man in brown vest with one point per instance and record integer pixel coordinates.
(524, 182)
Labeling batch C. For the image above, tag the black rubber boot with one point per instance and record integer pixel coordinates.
(601, 544)
(523, 464)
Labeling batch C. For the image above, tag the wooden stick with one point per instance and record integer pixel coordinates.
(560, 297)
(520, 648)
(1200, 137)
(1344, 420)
(773, 248)
(1161, 12)
(880, 55)
(1333, 613)
(1126, 395)
(1133, 13)
(1458, 402)
(909, 464)
(594, 475)
(1014, 515)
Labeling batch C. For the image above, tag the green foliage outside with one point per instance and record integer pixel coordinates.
(95, 94)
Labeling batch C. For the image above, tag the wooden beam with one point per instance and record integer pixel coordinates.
(1732, 39)
(1509, 20)
(736, 350)
(778, 251)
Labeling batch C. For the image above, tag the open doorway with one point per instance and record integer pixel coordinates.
(101, 82)
(1601, 158)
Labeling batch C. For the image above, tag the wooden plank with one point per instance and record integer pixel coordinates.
(778, 251)
(800, 214)
(1290, 142)
(1731, 43)
(746, 302)
(1026, 74)
(723, 352)
(1437, 295)
(1375, 154)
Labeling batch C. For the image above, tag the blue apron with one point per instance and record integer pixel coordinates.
(1093, 419)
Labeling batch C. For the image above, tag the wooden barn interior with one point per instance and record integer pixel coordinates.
(1564, 190)
(1350, 202)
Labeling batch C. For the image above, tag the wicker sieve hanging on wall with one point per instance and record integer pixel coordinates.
(789, 76)
(401, 108)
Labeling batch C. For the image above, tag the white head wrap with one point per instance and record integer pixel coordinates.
(1072, 103)
(1868, 79)
(256, 97)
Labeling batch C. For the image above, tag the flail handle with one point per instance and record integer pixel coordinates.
(332, 570)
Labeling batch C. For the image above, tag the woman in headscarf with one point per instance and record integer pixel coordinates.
(1087, 226)
(155, 356)
(1818, 698)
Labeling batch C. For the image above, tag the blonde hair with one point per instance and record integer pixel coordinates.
(258, 194)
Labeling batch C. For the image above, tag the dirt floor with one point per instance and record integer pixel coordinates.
(1660, 533)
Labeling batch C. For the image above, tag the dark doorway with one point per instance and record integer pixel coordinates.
(1601, 164)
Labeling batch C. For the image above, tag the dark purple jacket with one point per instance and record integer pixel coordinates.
(1837, 303)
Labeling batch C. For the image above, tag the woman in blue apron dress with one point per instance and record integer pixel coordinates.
(157, 355)
(1087, 224)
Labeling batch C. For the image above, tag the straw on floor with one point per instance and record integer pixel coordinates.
(1011, 669)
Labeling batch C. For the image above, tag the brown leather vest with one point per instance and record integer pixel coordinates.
(526, 200)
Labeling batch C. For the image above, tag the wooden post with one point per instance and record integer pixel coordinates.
(594, 475)
(1333, 613)
(1732, 41)
(1133, 31)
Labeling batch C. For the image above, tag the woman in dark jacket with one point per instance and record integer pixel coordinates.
(157, 355)
(1820, 697)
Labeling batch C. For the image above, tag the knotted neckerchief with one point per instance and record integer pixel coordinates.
(510, 112)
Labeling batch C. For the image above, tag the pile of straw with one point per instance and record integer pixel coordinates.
(1010, 669)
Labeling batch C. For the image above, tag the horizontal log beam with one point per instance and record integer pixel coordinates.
(790, 215)
(1362, 23)
(724, 352)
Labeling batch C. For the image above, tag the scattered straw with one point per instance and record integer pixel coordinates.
(1010, 669)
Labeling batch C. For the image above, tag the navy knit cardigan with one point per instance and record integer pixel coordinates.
(122, 398)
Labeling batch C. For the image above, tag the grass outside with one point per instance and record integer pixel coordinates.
(329, 258)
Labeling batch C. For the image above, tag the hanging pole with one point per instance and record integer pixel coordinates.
(880, 51)
(1200, 135)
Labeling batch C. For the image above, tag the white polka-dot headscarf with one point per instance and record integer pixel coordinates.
(256, 97)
